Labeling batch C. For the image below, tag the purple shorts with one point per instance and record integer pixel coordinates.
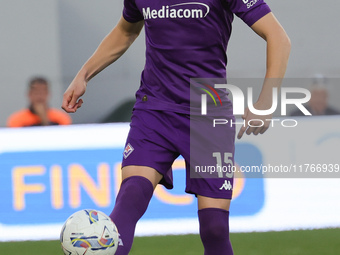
(157, 138)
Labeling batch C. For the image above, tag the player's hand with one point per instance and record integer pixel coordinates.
(256, 124)
(71, 99)
(41, 110)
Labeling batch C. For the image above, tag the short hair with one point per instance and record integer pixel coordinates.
(37, 79)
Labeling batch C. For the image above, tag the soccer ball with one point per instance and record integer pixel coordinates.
(89, 232)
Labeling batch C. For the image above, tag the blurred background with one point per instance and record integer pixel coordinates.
(53, 38)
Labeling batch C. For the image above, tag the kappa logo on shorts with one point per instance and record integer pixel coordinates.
(226, 185)
(128, 150)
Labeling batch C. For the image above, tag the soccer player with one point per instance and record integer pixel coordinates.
(184, 40)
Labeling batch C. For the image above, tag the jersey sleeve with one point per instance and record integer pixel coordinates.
(131, 12)
(249, 11)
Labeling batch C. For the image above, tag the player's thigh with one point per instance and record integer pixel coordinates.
(148, 172)
(209, 202)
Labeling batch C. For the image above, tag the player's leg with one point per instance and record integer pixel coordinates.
(208, 176)
(146, 150)
(213, 215)
(209, 202)
(144, 171)
(132, 201)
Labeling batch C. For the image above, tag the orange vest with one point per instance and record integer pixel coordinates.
(25, 118)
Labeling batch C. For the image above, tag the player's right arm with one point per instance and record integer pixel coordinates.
(109, 50)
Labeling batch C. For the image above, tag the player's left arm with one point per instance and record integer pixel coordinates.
(278, 49)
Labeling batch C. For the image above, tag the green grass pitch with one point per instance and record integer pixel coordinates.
(311, 242)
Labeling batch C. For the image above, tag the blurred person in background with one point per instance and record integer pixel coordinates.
(38, 113)
(319, 102)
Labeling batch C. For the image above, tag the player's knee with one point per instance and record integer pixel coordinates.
(215, 231)
(214, 224)
(135, 192)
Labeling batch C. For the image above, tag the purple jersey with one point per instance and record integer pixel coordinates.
(185, 39)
